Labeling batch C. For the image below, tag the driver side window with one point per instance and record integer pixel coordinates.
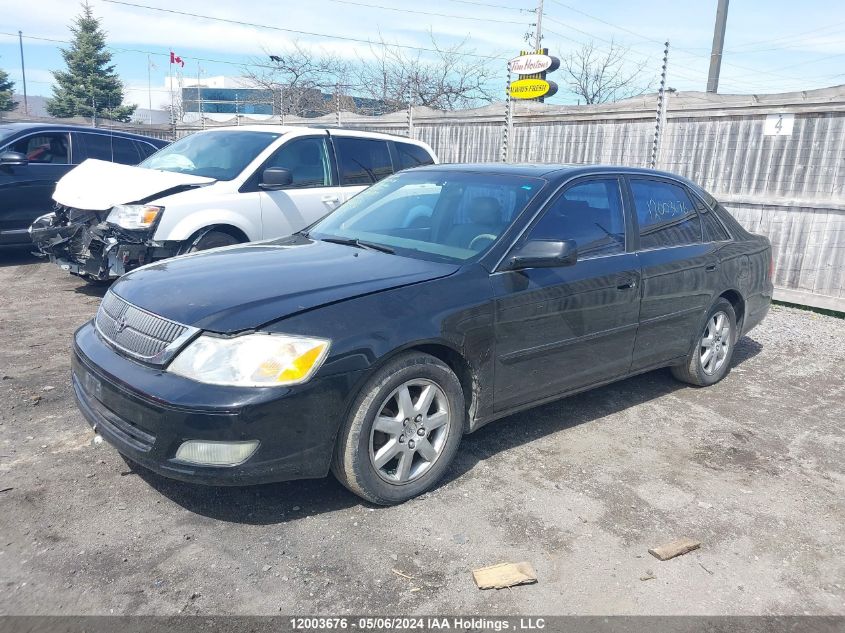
(589, 212)
(308, 162)
(45, 147)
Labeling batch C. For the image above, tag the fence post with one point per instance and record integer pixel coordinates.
(660, 103)
(508, 129)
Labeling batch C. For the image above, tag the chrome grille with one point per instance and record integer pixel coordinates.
(139, 333)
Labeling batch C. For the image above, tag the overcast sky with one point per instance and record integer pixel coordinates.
(771, 45)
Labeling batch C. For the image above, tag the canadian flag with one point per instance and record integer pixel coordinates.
(175, 59)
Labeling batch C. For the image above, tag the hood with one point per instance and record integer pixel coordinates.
(98, 185)
(246, 286)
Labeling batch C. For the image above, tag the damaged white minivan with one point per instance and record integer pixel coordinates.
(213, 188)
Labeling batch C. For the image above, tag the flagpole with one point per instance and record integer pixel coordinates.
(199, 95)
(170, 74)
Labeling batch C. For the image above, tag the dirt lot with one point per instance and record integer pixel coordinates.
(753, 467)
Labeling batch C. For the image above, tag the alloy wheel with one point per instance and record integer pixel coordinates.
(715, 343)
(410, 431)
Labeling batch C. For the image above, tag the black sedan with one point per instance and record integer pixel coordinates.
(34, 156)
(432, 303)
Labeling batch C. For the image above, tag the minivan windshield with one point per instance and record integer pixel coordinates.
(441, 215)
(215, 154)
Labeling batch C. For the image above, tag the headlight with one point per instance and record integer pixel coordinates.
(252, 360)
(134, 216)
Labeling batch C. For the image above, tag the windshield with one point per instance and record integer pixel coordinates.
(445, 215)
(220, 155)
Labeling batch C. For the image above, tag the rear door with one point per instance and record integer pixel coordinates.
(680, 271)
(312, 194)
(560, 329)
(26, 191)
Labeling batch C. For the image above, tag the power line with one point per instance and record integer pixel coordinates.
(439, 15)
(296, 31)
(488, 4)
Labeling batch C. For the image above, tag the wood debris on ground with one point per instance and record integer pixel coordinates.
(504, 575)
(675, 548)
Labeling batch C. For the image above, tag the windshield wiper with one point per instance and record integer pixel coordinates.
(354, 241)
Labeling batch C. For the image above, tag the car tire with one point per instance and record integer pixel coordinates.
(709, 359)
(213, 239)
(385, 453)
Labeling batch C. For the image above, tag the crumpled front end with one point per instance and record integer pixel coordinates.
(83, 243)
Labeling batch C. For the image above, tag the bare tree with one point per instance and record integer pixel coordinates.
(599, 76)
(300, 77)
(453, 79)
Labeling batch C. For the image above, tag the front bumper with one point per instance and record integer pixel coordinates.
(147, 413)
(81, 243)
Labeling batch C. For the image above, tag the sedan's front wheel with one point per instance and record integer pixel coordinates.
(710, 357)
(403, 430)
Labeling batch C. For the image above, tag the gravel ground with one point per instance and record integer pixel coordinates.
(753, 467)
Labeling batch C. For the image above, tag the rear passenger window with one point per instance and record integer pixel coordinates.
(665, 213)
(589, 212)
(362, 161)
(712, 227)
(412, 156)
(107, 147)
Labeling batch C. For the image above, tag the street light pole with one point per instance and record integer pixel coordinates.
(538, 34)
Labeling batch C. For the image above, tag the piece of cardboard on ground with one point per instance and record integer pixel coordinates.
(675, 548)
(504, 575)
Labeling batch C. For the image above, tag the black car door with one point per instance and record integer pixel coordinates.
(680, 271)
(26, 191)
(561, 329)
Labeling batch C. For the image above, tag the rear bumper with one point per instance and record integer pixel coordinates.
(148, 413)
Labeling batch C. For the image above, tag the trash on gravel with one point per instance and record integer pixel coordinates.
(675, 548)
(648, 575)
(404, 575)
(504, 575)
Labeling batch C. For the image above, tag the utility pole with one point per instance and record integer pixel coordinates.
(538, 34)
(23, 74)
(718, 44)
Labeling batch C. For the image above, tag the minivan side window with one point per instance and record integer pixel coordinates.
(589, 212)
(105, 147)
(362, 161)
(307, 159)
(44, 148)
(412, 156)
(665, 214)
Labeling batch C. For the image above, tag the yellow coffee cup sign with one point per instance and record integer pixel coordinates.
(532, 88)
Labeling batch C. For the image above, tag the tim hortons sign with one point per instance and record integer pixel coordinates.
(533, 63)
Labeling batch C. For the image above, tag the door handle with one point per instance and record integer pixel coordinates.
(711, 267)
(626, 283)
(330, 199)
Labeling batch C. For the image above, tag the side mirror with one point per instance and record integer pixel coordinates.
(13, 158)
(275, 178)
(543, 254)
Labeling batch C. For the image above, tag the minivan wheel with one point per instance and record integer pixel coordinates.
(213, 239)
(710, 357)
(403, 430)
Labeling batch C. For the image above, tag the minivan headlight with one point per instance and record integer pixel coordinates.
(134, 216)
(253, 360)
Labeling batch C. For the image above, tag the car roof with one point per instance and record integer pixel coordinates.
(299, 130)
(549, 170)
(19, 126)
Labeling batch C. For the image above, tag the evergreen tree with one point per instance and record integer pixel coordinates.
(6, 86)
(89, 85)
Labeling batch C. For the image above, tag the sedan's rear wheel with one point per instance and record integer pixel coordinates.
(710, 358)
(403, 430)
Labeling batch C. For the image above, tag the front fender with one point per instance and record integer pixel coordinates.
(183, 228)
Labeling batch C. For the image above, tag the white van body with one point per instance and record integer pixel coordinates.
(193, 212)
